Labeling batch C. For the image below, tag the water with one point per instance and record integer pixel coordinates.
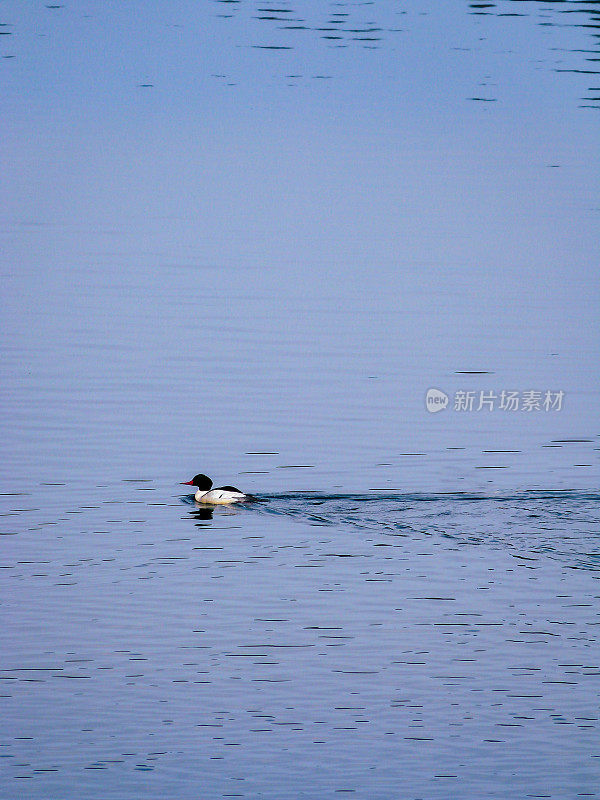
(411, 645)
(246, 239)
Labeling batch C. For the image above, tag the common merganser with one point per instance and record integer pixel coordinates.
(218, 496)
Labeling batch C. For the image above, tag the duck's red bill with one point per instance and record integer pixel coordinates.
(187, 483)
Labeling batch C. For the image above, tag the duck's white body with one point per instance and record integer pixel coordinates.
(218, 497)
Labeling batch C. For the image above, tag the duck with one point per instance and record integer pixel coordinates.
(220, 495)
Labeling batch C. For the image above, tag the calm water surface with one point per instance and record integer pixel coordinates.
(246, 239)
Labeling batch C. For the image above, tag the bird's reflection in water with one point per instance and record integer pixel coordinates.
(206, 512)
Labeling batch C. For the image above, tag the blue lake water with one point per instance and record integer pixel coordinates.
(248, 239)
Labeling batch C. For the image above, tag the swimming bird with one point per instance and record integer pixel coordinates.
(218, 496)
